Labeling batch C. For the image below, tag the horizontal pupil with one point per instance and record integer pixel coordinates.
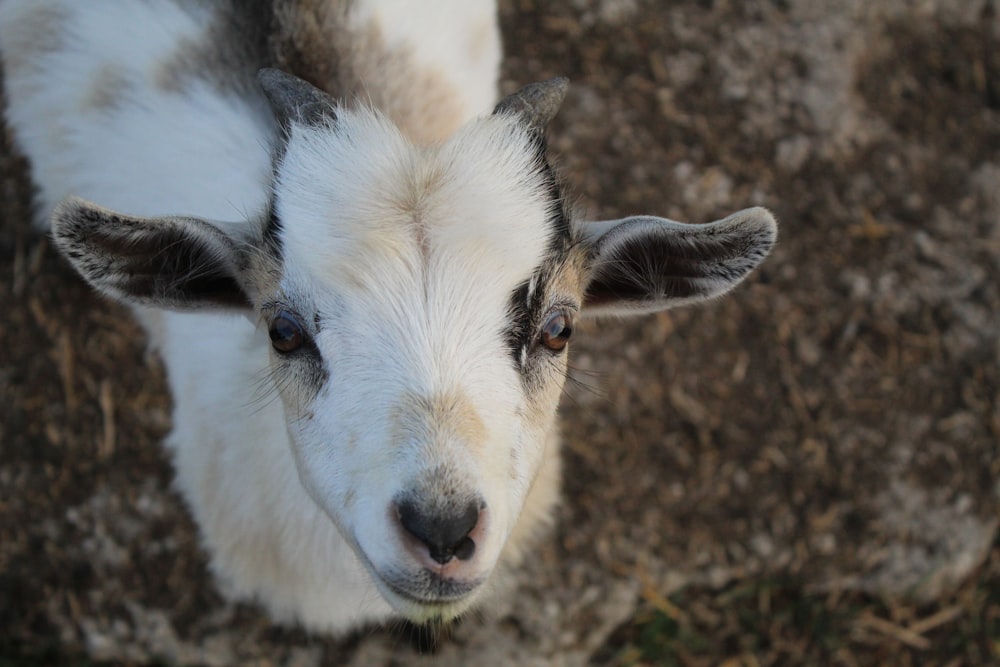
(556, 332)
(281, 333)
(285, 334)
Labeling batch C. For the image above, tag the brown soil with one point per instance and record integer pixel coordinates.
(832, 425)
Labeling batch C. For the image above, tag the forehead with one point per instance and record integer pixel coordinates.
(360, 208)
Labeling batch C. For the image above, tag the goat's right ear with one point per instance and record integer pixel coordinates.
(174, 263)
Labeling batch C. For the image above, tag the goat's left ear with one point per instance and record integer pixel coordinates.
(174, 263)
(644, 264)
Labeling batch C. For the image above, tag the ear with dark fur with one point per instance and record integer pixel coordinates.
(175, 263)
(644, 264)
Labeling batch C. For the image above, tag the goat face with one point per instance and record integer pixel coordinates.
(418, 301)
(419, 382)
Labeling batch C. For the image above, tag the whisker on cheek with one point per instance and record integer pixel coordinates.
(575, 382)
(267, 385)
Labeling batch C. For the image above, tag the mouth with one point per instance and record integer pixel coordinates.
(425, 597)
(429, 590)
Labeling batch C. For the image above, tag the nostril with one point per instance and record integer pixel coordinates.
(445, 534)
(465, 548)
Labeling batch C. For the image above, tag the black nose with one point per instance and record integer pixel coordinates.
(446, 534)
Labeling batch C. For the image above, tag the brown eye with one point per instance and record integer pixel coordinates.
(556, 331)
(286, 333)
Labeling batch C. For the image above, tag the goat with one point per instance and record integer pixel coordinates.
(312, 199)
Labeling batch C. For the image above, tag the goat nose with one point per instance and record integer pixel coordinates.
(446, 535)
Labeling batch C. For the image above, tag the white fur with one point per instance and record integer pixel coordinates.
(360, 216)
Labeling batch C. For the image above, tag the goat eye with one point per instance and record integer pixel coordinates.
(556, 331)
(286, 333)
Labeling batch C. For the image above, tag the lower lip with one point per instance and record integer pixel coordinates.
(437, 603)
(406, 596)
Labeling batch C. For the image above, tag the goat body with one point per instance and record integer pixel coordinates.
(361, 287)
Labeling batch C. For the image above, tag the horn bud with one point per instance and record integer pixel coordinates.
(295, 100)
(536, 104)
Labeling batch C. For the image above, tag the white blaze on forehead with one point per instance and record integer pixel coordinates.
(335, 194)
(491, 205)
(361, 207)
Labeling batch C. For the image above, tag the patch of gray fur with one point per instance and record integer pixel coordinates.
(304, 37)
(108, 87)
(41, 31)
(227, 54)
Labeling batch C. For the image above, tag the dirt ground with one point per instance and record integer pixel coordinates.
(805, 472)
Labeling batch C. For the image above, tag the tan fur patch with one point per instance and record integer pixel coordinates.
(418, 99)
(445, 415)
(571, 276)
(262, 272)
(315, 41)
(479, 41)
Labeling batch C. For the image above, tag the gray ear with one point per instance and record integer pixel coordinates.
(175, 263)
(536, 104)
(644, 264)
(295, 100)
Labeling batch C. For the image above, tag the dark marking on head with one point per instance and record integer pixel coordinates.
(529, 303)
(300, 374)
(272, 227)
(560, 209)
(520, 317)
(526, 305)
